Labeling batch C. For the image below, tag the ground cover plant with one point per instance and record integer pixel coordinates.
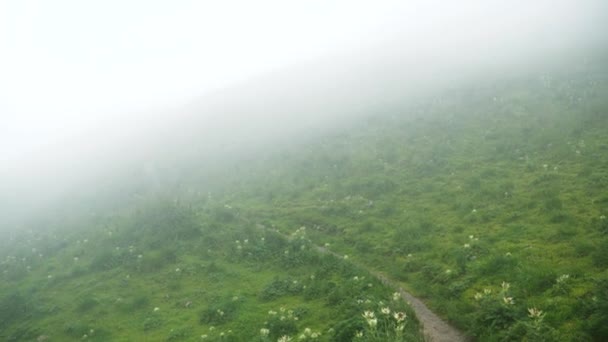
(162, 271)
(488, 202)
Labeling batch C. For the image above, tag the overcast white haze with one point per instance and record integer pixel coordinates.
(82, 76)
(66, 64)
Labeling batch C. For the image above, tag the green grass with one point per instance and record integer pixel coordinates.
(217, 283)
(460, 194)
(487, 202)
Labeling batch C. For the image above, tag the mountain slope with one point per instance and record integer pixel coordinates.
(488, 201)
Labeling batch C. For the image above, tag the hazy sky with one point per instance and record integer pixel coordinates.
(87, 87)
(63, 61)
(66, 65)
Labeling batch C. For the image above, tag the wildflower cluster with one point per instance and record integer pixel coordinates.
(309, 335)
(498, 309)
(494, 309)
(300, 233)
(222, 335)
(383, 325)
(282, 324)
(562, 284)
(472, 239)
(298, 250)
(536, 314)
(370, 319)
(504, 294)
(285, 314)
(536, 329)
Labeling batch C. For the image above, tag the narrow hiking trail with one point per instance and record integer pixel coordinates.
(434, 328)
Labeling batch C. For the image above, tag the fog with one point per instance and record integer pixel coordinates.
(92, 94)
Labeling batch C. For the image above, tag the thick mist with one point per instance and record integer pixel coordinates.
(70, 137)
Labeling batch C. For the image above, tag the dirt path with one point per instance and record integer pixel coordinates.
(434, 328)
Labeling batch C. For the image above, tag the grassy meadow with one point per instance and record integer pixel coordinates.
(489, 202)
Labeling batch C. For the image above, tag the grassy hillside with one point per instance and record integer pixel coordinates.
(489, 202)
(164, 272)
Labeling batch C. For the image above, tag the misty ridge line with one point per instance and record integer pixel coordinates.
(422, 56)
(431, 43)
(291, 105)
(317, 94)
(451, 164)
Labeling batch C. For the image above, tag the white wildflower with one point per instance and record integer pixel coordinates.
(368, 314)
(399, 316)
(535, 313)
